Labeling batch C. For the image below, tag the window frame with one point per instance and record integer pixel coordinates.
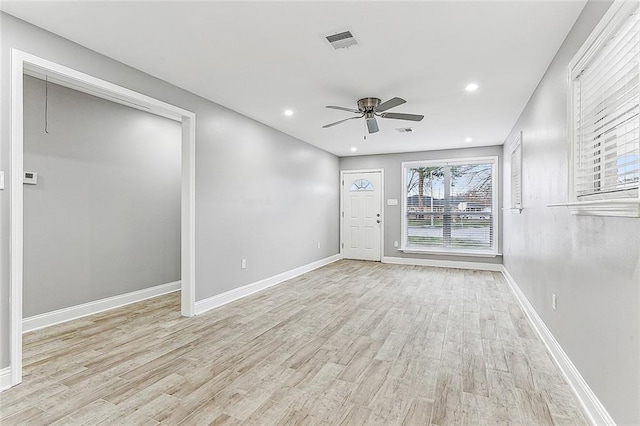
(516, 146)
(495, 170)
(625, 203)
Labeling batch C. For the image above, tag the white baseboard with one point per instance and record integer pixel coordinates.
(594, 409)
(481, 266)
(67, 314)
(238, 293)
(5, 378)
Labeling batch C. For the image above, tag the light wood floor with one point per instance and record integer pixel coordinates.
(350, 343)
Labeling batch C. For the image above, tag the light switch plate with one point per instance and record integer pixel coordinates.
(1, 180)
(30, 178)
(392, 202)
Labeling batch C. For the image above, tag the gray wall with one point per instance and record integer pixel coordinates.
(591, 263)
(260, 194)
(104, 218)
(392, 165)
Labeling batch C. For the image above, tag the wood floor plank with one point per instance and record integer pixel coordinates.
(521, 370)
(22, 416)
(534, 407)
(392, 402)
(419, 413)
(67, 402)
(355, 415)
(360, 361)
(423, 376)
(493, 354)
(447, 406)
(91, 414)
(391, 347)
(350, 343)
(474, 375)
(475, 410)
(502, 392)
(374, 376)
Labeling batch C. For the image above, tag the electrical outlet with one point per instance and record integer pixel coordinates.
(318, 244)
(243, 263)
(554, 301)
(395, 244)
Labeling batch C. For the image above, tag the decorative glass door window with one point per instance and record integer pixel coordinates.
(361, 185)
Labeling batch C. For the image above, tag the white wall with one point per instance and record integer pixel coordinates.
(104, 218)
(260, 194)
(591, 263)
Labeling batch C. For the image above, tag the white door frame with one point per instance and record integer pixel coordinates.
(342, 191)
(21, 63)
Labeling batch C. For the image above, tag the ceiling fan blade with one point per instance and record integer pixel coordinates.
(343, 108)
(402, 116)
(393, 102)
(341, 121)
(372, 125)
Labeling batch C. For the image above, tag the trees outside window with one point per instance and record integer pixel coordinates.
(450, 205)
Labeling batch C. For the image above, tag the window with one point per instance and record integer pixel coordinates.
(361, 185)
(450, 206)
(516, 173)
(604, 98)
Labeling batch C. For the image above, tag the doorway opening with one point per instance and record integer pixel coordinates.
(25, 63)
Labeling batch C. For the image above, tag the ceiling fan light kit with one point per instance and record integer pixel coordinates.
(370, 108)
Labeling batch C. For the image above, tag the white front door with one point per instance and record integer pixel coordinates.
(361, 215)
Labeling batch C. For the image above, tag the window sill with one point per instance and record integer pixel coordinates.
(613, 207)
(516, 210)
(450, 252)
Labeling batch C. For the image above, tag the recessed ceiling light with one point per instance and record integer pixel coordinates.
(354, 149)
(288, 112)
(471, 87)
(468, 140)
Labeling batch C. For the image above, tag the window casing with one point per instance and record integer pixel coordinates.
(604, 118)
(450, 206)
(516, 173)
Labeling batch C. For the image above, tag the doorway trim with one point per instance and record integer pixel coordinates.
(382, 204)
(21, 63)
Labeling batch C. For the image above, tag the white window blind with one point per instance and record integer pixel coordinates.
(516, 173)
(450, 206)
(606, 114)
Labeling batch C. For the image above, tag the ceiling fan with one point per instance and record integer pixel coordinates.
(370, 108)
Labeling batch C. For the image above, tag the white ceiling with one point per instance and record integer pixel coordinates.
(260, 58)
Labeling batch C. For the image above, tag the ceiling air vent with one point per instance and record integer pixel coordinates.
(341, 40)
(405, 129)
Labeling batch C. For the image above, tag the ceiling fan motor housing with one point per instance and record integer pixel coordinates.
(368, 104)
